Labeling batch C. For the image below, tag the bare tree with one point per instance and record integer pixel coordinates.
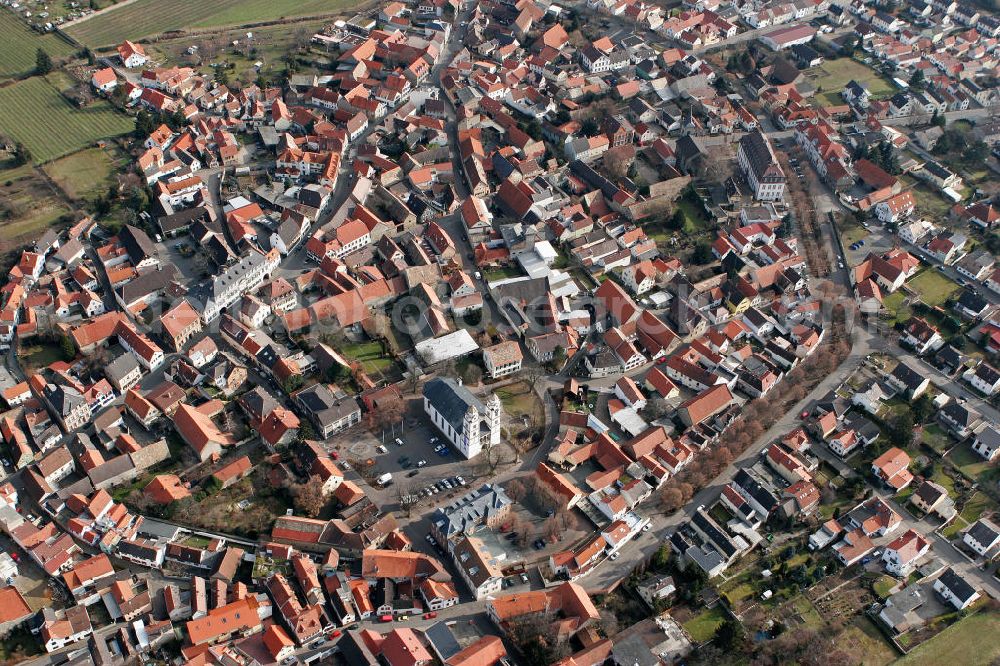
(491, 456)
(387, 413)
(407, 497)
(553, 529)
(308, 497)
(532, 374)
(472, 375)
(516, 490)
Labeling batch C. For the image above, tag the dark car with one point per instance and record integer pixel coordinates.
(413, 473)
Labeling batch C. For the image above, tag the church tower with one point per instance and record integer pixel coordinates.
(493, 410)
(471, 437)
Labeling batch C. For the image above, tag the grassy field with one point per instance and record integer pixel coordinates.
(969, 462)
(702, 626)
(17, 57)
(144, 18)
(502, 273)
(33, 205)
(929, 202)
(833, 76)
(369, 355)
(862, 640)
(43, 120)
(271, 43)
(82, 174)
(935, 437)
(519, 400)
(934, 288)
(896, 309)
(964, 642)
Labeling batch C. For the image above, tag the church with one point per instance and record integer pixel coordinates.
(464, 421)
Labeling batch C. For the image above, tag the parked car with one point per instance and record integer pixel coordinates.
(412, 473)
(431, 615)
(524, 578)
(399, 442)
(421, 463)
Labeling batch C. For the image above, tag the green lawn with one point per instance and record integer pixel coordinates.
(936, 438)
(883, 586)
(35, 114)
(952, 529)
(969, 642)
(369, 355)
(894, 307)
(738, 593)
(974, 508)
(833, 76)
(807, 612)
(20, 43)
(82, 174)
(702, 626)
(197, 541)
(145, 18)
(969, 462)
(502, 273)
(933, 287)
(694, 216)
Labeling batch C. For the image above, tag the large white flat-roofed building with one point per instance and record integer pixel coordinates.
(446, 347)
(460, 416)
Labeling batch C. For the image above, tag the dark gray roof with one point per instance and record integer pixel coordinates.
(984, 532)
(715, 534)
(958, 585)
(137, 243)
(907, 376)
(451, 400)
(930, 492)
(761, 494)
(111, 469)
(148, 282)
(63, 398)
(959, 413)
(972, 301)
(154, 529)
(183, 219)
(633, 651)
(259, 402)
(324, 406)
(442, 640)
(121, 366)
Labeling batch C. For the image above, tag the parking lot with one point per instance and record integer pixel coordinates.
(419, 440)
(873, 239)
